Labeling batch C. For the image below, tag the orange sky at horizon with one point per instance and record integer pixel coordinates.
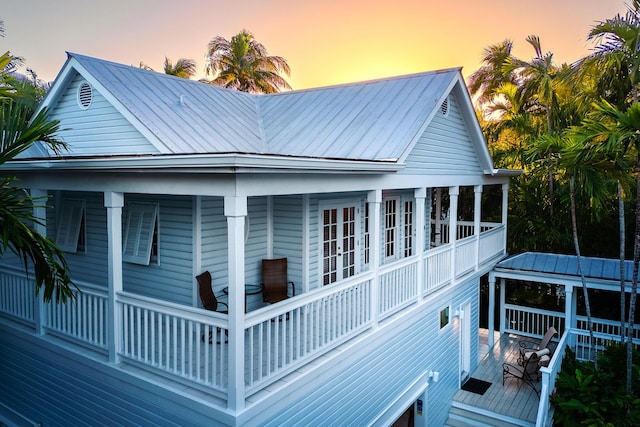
(325, 42)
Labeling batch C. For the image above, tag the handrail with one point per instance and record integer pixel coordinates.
(549, 374)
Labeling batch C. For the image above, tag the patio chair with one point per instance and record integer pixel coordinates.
(209, 301)
(529, 372)
(528, 346)
(275, 286)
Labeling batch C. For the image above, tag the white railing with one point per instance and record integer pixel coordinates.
(398, 286)
(17, 294)
(83, 319)
(549, 374)
(181, 341)
(437, 268)
(464, 229)
(491, 243)
(466, 256)
(531, 322)
(283, 338)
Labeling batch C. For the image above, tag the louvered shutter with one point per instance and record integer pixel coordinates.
(71, 213)
(138, 233)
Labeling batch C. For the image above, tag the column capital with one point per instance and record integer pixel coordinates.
(235, 206)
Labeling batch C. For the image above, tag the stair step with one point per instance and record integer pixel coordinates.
(460, 417)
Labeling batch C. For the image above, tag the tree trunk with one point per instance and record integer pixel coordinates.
(574, 226)
(623, 299)
(634, 285)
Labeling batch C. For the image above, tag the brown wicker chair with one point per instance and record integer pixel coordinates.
(529, 372)
(528, 346)
(275, 286)
(210, 302)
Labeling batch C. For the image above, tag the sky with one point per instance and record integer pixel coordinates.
(325, 42)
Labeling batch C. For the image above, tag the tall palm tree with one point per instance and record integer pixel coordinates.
(244, 64)
(18, 132)
(183, 68)
(488, 79)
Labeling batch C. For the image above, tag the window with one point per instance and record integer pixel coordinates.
(339, 244)
(71, 226)
(140, 241)
(408, 228)
(444, 317)
(366, 234)
(390, 228)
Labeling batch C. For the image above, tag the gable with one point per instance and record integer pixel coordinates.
(99, 129)
(445, 146)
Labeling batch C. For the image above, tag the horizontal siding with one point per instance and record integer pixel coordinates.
(256, 243)
(172, 280)
(445, 147)
(214, 242)
(50, 385)
(98, 130)
(288, 234)
(368, 377)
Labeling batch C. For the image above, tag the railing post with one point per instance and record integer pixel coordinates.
(374, 198)
(503, 314)
(235, 209)
(569, 314)
(114, 203)
(505, 212)
(421, 232)
(454, 192)
(477, 206)
(40, 212)
(492, 307)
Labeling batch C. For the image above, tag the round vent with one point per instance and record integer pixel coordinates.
(444, 108)
(85, 95)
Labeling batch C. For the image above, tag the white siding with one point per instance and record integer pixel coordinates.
(98, 130)
(256, 243)
(445, 147)
(287, 234)
(214, 242)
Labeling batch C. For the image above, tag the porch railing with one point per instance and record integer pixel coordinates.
(16, 295)
(398, 286)
(531, 322)
(464, 229)
(437, 268)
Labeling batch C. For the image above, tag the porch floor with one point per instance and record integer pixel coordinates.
(514, 400)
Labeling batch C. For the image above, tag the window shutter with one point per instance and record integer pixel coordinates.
(71, 213)
(138, 233)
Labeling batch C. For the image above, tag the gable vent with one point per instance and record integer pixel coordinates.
(444, 108)
(85, 95)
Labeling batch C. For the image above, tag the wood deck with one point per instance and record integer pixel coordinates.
(513, 400)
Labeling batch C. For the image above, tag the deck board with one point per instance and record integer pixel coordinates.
(515, 399)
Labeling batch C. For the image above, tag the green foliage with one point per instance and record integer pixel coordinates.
(586, 397)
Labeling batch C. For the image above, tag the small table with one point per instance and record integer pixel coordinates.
(248, 290)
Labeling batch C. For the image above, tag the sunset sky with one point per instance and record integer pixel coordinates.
(326, 42)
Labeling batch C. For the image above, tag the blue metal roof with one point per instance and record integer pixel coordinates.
(597, 268)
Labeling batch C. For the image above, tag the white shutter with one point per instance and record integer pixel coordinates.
(138, 233)
(71, 213)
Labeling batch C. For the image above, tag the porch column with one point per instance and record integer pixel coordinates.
(235, 209)
(374, 198)
(477, 206)
(420, 195)
(503, 310)
(114, 203)
(492, 307)
(505, 212)
(40, 212)
(438, 216)
(570, 302)
(453, 226)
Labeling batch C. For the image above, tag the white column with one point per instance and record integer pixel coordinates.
(477, 210)
(454, 192)
(40, 212)
(114, 203)
(503, 311)
(420, 195)
(438, 216)
(570, 302)
(235, 209)
(505, 212)
(492, 308)
(374, 198)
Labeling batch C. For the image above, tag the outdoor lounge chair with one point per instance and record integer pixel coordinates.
(528, 346)
(275, 286)
(209, 300)
(529, 371)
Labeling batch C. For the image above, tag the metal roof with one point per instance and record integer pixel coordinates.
(566, 265)
(371, 121)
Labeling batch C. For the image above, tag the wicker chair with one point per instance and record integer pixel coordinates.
(275, 286)
(528, 346)
(210, 302)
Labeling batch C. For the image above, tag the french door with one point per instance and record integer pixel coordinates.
(340, 223)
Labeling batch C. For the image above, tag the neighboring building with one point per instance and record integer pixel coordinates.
(356, 185)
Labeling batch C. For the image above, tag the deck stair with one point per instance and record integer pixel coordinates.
(461, 415)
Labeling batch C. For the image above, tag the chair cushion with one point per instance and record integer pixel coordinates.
(539, 353)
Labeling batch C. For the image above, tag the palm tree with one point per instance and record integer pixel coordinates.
(491, 76)
(244, 64)
(18, 132)
(183, 68)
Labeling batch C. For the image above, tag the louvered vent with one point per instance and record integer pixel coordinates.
(444, 108)
(85, 95)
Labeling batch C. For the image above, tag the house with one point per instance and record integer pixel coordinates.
(381, 195)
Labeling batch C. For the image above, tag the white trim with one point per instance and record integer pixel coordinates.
(409, 395)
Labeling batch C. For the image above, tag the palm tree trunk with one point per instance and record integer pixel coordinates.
(574, 226)
(623, 299)
(634, 285)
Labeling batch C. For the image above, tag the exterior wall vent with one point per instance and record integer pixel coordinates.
(85, 95)
(444, 108)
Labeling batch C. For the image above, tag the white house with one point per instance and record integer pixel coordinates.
(355, 185)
